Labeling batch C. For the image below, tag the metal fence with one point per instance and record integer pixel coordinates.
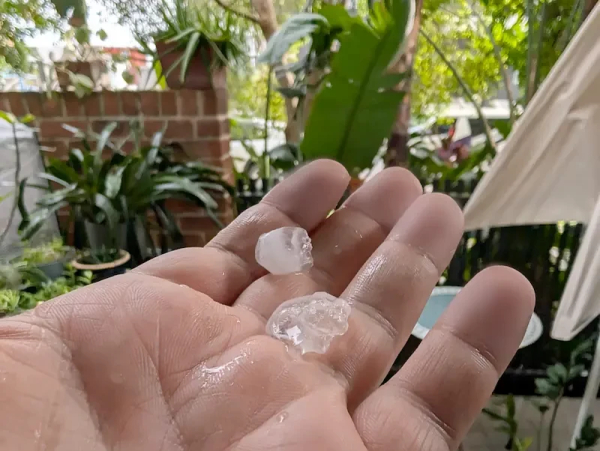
(543, 253)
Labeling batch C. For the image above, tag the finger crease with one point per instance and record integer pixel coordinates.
(448, 432)
(481, 351)
(375, 315)
(239, 260)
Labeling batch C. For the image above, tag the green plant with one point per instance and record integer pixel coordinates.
(355, 104)
(279, 159)
(559, 377)
(21, 275)
(552, 388)
(45, 253)
(123, 189)
(589, 436)
(20, 20)
(13, 301)
(98, 256)
(509, 424)
(213, 33)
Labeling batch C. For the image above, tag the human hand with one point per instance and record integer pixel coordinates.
(174, 356)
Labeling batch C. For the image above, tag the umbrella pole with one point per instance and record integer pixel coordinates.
(591, 391)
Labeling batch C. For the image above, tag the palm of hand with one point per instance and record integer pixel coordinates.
(173, 356)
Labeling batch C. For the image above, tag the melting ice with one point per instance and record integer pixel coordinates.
(309, 323)
(286, 250)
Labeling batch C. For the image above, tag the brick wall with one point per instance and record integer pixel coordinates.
(197, 120)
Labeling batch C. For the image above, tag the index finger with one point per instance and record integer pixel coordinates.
(226, 265)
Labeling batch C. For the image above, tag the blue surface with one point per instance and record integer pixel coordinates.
(434, 308)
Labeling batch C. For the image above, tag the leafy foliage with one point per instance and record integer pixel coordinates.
(13, 301)
(354, 109)
(211, 32)
(270, 164)
(20, 19)
(44, 253)
(552, 388)
(509, 424)
(98, 256)
(296, 28)
(247, 90)
(122, 189)
(589, 436)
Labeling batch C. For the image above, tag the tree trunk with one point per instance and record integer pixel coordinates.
(267, 20)
(588, 7)
(397, 148)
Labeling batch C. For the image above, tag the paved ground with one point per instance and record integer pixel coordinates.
(484, 435)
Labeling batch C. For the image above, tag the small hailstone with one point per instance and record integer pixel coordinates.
(286, 250)
(309, 323)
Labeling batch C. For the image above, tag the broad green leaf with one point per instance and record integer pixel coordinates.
(188, 54)
(127, 77)
(523, 444)
(26, 119)
(102, 34)
(188, 187)
(297, 27)
(61, 195)
(338, 17)
(112, 183)
(575, 371)
(104, 204)
(545, 388)
(355, 108)
(77, 133)
(8, 117)
(557, 373)
(51, 178)
(37, 219)
(180, 36)
(102, 141)
(63, 171)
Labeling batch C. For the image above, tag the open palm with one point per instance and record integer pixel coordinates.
(173, 356)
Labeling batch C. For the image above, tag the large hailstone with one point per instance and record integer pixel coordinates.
(286, 250)
(310, 323)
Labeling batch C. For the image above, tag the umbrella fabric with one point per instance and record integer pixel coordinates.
(549, 171)
(549, 168)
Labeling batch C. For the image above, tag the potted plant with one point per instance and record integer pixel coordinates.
(195, 45)
(50, 258)
(103, 263)
(112, 199)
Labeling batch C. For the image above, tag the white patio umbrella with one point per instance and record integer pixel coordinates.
(549, 171)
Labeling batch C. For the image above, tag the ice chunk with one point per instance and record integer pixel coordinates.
(309, 323)
(286, 250)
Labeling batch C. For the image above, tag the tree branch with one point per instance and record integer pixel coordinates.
(465, 88)
(503, 70)
(241, 14)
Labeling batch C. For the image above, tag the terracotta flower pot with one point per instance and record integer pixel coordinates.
(201, 73)
(105, 270)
